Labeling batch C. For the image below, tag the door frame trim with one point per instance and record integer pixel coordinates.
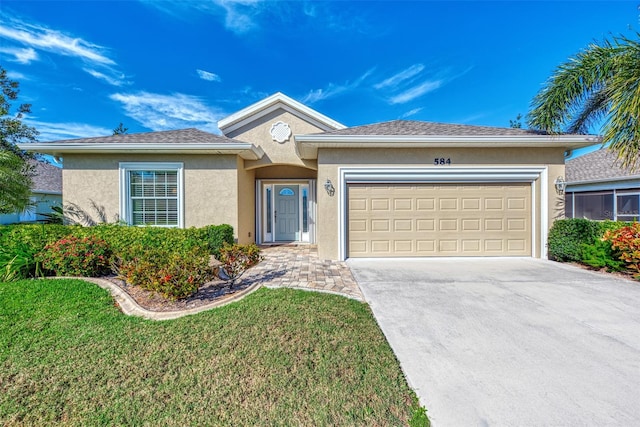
(444, 175)
(261, 184)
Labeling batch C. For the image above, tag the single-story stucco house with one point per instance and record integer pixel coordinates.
(599, 188)
(283, 172)
(46, 193)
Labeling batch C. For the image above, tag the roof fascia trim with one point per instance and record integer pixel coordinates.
(632, 179)
(448, 138)
(271, 103)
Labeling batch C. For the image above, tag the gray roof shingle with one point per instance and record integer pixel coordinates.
(182, 136)
(598, 165)
(47, 177)
(413, 127)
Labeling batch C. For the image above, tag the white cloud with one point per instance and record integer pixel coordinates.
(416, 91)
(333, 89)
(114, 80)
(206, 75)
(165, 112)
(14, 75)
(22, 56)
(411, 112)
(239, 16)
(43, 38)
(40, 38)
(56, 131)
(400, 77)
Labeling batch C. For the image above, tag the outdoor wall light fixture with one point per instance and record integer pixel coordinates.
(328, 186)
(560, 184)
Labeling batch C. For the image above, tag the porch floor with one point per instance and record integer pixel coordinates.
(298, 266)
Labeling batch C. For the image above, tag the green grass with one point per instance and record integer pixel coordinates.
(279, 357)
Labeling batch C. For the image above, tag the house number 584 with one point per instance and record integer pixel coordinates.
(441, 161)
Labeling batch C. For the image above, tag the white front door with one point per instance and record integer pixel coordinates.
(286, 210)
(286, 214)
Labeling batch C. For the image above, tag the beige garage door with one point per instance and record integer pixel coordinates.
(439, 220)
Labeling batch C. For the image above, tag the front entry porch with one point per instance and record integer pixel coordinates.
(285, 210)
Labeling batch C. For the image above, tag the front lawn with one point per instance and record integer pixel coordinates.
(279, 357)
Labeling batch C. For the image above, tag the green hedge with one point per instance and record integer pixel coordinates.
(19, 244)
(573, 239)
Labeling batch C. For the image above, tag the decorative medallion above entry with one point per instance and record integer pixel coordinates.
(280, 132)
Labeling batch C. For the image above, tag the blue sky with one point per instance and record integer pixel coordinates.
(86, 66)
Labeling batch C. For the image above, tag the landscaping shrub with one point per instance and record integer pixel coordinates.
(215, 236)
(18, 262)
(627, 241)
(77, 256)
(174, 275)
(600, 254)
(567, 237)
(236, 259)
(21, 244)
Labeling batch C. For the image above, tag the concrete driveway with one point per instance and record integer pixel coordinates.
(510, 342)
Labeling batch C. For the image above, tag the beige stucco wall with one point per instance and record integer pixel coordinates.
(329, 160)
(211, 184)
(288, 172)
(246, 204)
(257, 132)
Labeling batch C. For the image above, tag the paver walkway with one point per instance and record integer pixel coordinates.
(298, 266)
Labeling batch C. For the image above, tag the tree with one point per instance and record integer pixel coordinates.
(15, 171)
(120, 130)
(15, 182)
(601, 84)
(12, 129)
(516, 124)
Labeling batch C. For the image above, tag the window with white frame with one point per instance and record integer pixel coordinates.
(151, 194)
(619, 205)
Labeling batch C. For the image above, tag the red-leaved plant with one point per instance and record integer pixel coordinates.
(627, 241)
(77, 256)
(236, 259)
(171, 274)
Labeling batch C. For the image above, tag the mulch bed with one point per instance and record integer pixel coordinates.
(619, 274)
(213, 291)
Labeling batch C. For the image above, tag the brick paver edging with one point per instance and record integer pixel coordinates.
(130, 307)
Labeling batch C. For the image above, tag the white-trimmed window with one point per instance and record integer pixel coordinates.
(152, 194)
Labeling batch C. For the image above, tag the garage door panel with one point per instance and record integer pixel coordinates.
(439, 220)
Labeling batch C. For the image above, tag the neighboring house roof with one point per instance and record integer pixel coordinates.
(47, 177)
(184, 141)
(413, 127)
(272, 103)
(598, 166)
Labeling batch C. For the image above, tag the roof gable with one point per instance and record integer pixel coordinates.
(272, 103)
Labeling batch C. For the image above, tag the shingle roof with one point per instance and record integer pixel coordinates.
(413, 127)
(182, 136)
(47, 177)
(596, 166)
